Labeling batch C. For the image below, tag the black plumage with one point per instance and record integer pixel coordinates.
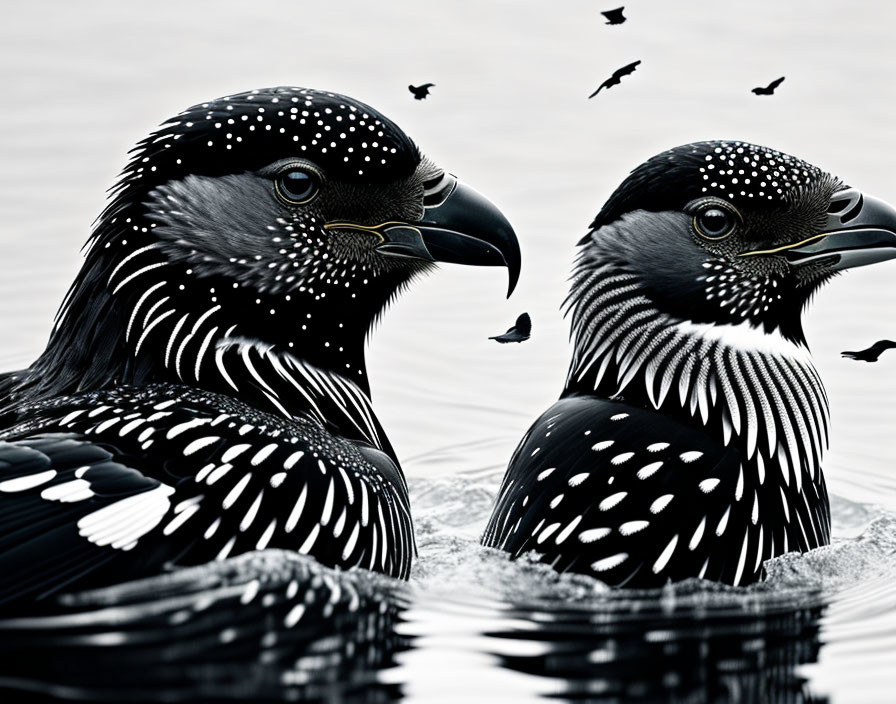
(520, 331)
(422, 91)
(617, 76)
(204, 391)
(689, 436)
(770, 88)
(614, 16)
(873, 353)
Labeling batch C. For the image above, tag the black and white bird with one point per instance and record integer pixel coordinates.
(689, 436)
(204, 391)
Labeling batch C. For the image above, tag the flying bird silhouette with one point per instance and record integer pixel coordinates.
(420, 92)
(616, 78)
(520, 331)
(872, 353)
(615, 16)
(770, 88)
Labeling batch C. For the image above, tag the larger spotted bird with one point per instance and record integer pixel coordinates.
(204, 391)
(688, 439)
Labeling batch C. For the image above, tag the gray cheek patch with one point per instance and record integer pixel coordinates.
(230, 225)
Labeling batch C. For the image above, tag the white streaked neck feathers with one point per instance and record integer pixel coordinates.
(754, 388)
(201, 350)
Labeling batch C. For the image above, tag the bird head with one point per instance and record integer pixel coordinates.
(730, 233)
(288, 217)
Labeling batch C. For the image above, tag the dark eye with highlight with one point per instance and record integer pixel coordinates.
(714, 222)
(296, 186)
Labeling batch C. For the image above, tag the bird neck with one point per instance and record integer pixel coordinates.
(134, 318)
(750, 388)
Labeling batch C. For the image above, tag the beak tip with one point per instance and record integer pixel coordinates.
(512, 280)
(467, 228)
(512, 258)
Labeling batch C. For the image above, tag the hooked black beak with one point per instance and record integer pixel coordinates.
(458, 226)
(461, 226)
(860, 230)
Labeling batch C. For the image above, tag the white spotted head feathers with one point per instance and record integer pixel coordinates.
(744, 174)
(246, 131)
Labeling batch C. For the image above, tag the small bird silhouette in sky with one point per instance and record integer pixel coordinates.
(520, 331)
(770, 88)
(872, 353)
(420, 92)
(616, 78)
(615, 16)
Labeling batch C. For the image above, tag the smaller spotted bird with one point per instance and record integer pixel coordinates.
(421, 92)
(519, 332)
(617, 76)
(204, 392)
(873, 353)
(770, 88)
(688, 439)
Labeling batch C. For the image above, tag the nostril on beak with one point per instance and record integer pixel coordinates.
(436, 190)
(838, 206)
(854, 211)
(846, 205)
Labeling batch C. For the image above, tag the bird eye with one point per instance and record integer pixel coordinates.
(295, 186)
(714, 222)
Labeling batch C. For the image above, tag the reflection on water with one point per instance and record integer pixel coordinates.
(704, 654)
(274, 626)
(471, 624)
(266, 626)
